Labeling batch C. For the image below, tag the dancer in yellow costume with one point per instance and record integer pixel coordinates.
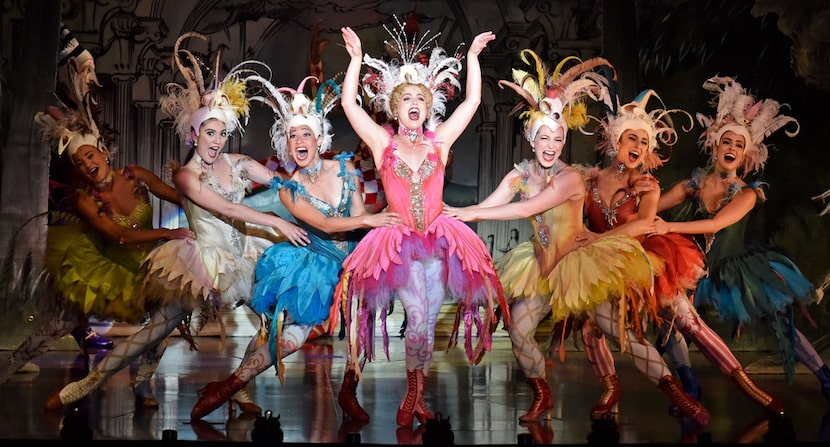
(551, 273)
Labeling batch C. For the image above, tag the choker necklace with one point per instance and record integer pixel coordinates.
(106, 183)
(202, 161)
(410, 134)
(727, 175)
(311, 173)
(547, 172)
(620, 170)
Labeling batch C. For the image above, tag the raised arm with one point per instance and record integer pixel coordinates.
(373, 134)
(568, 185)
(104, 225)
(451, 129)
(728, 215)
(187, 182)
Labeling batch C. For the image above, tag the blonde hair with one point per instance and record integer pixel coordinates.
(397, 93)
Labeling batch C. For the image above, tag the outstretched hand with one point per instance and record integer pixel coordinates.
(383, 219)
(586, 237)
(352, 42)
(462, 214)
(294, 234)
(480, 42)
(659, 226)
(181, 233)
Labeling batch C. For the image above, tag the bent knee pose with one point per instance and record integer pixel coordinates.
(622, 200)
(747, 280)
(214, 269)
(294, 285)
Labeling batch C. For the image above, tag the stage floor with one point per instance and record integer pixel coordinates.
(482, 403)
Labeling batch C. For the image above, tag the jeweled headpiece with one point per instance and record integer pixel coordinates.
(292, 108)
(657, 123)
(558, 99)
(739, 112)
(439, 73)
(192, 104)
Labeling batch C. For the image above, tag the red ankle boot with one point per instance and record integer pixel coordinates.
(347, 399)
(542, 401)
(609, 400)
(685, 404)
(422, 413)
(406, 411)
(214, 394)
(749, 388)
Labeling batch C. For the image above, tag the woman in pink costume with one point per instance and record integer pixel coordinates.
(552, 273)
(622, 200)
(429, 257)
(747, 280)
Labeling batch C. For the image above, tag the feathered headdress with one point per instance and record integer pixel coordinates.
(558, 100)
(739, 112)
(293, 108)
(657, 123)
(439, 73)
(192, 104)
(70, 129)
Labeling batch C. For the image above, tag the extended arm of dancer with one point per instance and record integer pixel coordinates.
(451, 129)
(156, 185)
(358, 218)
(728, 215)
(188, 183)
(568, 185)
(89, 210)
(639, 225)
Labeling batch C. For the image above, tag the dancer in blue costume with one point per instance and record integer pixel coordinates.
(294, 286)
(747, 281)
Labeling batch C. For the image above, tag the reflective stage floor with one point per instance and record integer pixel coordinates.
(481, 403)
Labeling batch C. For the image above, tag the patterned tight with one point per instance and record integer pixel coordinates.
(714, 348)
(602, 323)
(688, 323)
(525, 315)
(259, 359)
(422, 298)
(150, 342)
(39, 342)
